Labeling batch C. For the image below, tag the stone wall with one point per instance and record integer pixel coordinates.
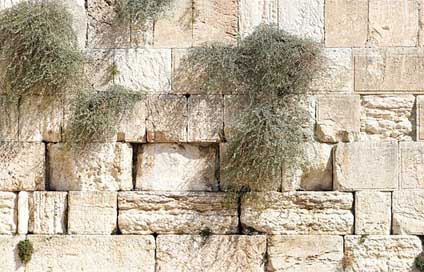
(151, 199)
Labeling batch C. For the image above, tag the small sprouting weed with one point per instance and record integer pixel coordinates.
(25, 250)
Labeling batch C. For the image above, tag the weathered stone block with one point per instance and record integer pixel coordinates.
(297, 213)
(234, 107)
(48, 212)
(182, 213)
(92, 212)
(408, 212)
(205, 118)
(338, 118)
(92, 253)
(132, 126)
(214, 253)
(9, 115)
(173, 167)
(9, 258)
(167, 118)
(306, 253)
(8, 213)
(103, 167)
(366, 165)
(304, 18)
(412, 165)
(22, 166)
(23, 212)
(346, 23)
(381, 253)
(387, 117)
(373, 212)
(99, 68)
(144, 70)
(256, 12)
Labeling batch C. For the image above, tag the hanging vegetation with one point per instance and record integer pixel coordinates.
(139, 11)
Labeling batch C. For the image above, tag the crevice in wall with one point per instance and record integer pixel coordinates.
(135, 148)
(266, 255)
(46, 167)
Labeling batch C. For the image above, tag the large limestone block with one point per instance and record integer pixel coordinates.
(256, 12)
(215, 21)
(144, 70)
(132, 126)
(103, 167)
(48, 212)
(373, 212)
(22, 166)
(9, 115)
(8, 213)
(176, 167)
(75, 253)
(303, 18)
(338, 118)
(23, 212)
(389, 70)
(412, 165)
(298, 213)
(215, 253)
(9, 258)
(346, 23)
(387, 117)
(393, 23)
(99, 68)
(174, 212)
(408, 212)
(366, 165)
(167, 118)
(381, 253)
(306, 253)
(92, 212)
(205, 118)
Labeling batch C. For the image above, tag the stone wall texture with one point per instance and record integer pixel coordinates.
(151, 198)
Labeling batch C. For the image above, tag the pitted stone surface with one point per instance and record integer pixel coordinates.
(256, 12)
(8, 213)
(408, 212)
(48, 212)
(99, 68)
(412, 165)
(132, 126)
(373, 212)
(9, 115)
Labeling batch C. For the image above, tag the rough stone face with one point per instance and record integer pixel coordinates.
(147, 70)
(337, 72)
(214, 21)
(21, 166)
(306, 253)
(373, 212)
(408, 212)
(98, 68)
(205, 118)
(167, 118)
(104, 167)
(23, 212)
(420, 118)
(9, 258)
(79, 19)
(381, 253)
(92, 212)
(8, 120)
(297, 213)
(338, 118)
(48, 212)
(132, 126)
(182, 213)
(346, 23)
(214, 253)
(8, 213)
(387, 117)
(256, 12)
(366, 165)
(176, 167)
(393, 23)
(412, 165)
(92, 253)
(304, 18)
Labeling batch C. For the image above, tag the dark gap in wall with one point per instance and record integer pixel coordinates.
(135, 148)
(218, 165)
(353, 212)
(155, 236)
(391, 214)
(46, 166)
(117, 230)
(239, 224)
(265, 259)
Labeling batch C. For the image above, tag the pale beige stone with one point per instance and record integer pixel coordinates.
(23, 212)
(346, 23)
(22, 166)
(9, 258)
(393, 23)
(205, 118)
(8, 213)
(297, 213)
(366, 165)
(302, 18)
(142, 34)
(256, 12)
(117, 253)
(144, 70)
(9, 115)
(92, 212)
(420, 118)
(4, 4)
(420, 22)
(214, 253)
(215, 21)
(338, 118)
(102, 167)
(373, 212)
(176, 167)
(48, 212)
(306, 253)
(387, 117)
(132, 126)
(99, 68)
(381, 253)
(180, 70)
(174, 29)
(176, 212)
(408, 212)
(167, 118)
(412, 165)
(77, 10)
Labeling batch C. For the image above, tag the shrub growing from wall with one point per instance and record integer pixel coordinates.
(139, 11)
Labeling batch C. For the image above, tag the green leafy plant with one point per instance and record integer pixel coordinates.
(38, 49)
(419, 262)
(139, 11)
(25, 250)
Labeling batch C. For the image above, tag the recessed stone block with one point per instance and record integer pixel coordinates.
(8, 213)
(373, 212)
(408, 212)
(48, 211)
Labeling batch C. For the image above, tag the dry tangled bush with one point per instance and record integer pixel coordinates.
(139, 11)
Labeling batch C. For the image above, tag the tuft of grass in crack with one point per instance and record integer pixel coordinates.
(138, 12)
(38, 49)
(25, 250)
(419, 262)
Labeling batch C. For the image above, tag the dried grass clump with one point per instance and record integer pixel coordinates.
(139, 11)
(25, 250)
